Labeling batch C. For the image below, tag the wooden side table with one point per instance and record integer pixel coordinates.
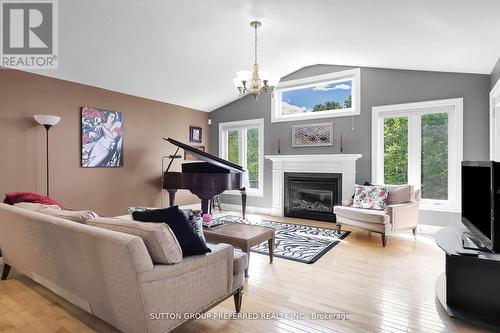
(242, 236)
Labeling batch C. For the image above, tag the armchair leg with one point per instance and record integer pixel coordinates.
(238, 297)
(6, 271)
(414, 232)
(384, 240)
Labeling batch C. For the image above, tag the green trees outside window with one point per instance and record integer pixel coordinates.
(434, 156)
(396, 150)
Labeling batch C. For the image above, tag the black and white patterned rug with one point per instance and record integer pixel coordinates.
(293, 241)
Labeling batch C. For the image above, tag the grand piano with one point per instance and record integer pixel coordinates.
(205, 179)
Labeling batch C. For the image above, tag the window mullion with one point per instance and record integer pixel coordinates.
(414, 149)
(243, 147)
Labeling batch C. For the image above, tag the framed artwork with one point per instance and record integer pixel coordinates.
(102, 138)
(310, 135)
(190, 157)
(195, 134)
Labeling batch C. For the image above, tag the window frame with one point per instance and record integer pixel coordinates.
(242, 126)
(454, 108)
(351, 74)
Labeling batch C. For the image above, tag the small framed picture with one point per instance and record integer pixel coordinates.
(195, 134)
(190, 157)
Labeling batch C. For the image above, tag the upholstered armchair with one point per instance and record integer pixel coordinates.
(401, 213)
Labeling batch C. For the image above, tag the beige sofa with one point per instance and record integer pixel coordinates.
(111, 275)
(401, 213)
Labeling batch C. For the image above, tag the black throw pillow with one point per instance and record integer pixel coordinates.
(190, 242)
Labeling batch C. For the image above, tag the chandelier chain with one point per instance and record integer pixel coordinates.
(256, 44)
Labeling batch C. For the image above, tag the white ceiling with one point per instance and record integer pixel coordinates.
(186, 52)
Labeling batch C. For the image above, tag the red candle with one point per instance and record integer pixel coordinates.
(341, 139)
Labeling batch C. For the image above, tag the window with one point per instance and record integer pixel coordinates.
(330, 95)
(241, 142)
(420, 144)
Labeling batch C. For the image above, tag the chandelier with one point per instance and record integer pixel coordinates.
(255, 81)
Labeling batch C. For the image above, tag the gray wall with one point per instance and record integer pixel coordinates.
(378, 87)
(495, 74)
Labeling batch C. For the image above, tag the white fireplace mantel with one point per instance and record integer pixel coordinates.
(344, 164)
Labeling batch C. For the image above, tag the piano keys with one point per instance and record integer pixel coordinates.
(205, 179)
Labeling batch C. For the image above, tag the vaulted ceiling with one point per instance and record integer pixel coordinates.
(186, 52)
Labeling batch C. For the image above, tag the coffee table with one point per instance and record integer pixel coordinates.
(242, 236)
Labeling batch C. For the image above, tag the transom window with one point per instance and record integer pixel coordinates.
(241, 142)
(330, 95)
(420, 144)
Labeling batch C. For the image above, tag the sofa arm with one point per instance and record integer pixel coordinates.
(403, 216)
(190, 286)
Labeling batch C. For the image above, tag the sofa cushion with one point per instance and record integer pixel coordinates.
(398, 194)
(360, 214)
(80, 216)
(35, 206)
(159, 239)
(15, 197)
(190, 242)
(195, 219)
(370, 197)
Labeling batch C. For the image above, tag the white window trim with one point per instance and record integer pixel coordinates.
(454, 107)
(495, 122)
(243, 124)
(352, 74)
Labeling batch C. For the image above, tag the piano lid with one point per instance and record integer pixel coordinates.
(201, 155)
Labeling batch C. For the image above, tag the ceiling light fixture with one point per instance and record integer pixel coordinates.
(255, 81)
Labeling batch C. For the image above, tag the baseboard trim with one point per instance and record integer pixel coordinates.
(236, 208)
(250, 209)
(428, 229)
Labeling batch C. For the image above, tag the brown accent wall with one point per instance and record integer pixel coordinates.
(107, 191)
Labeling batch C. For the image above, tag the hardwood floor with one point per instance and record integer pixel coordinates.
(381, 289)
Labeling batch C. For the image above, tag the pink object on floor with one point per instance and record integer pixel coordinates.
(207, 218)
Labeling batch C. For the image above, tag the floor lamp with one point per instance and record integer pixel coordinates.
(47, 121)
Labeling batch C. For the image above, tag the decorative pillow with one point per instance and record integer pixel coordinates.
(399, 194)
(35, 206)
(195, 219)
(15, 197)
(159, 239)
(80, 216)
(191, 243)
(370, 197)
(138, 209)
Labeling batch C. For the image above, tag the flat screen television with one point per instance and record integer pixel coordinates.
(480, 201)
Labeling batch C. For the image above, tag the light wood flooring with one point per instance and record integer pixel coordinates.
(381, 289)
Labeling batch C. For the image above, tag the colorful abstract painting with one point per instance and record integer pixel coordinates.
(102, 138)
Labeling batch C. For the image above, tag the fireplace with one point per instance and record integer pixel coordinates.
(312, 195)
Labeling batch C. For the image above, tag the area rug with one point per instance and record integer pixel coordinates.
(296, 242)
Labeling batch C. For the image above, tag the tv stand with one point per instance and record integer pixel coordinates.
(469, 241)
(468, 289)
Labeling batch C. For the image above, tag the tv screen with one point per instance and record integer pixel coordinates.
(476, 198)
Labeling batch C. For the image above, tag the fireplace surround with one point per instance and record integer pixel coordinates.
(312, 195)
(344, 164)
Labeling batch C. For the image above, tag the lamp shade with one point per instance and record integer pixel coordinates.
(44, 119)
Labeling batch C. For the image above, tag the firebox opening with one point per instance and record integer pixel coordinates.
(312, 195)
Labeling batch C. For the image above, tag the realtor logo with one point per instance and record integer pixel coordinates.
(29, 34)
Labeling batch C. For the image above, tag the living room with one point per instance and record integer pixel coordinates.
(249, 166)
